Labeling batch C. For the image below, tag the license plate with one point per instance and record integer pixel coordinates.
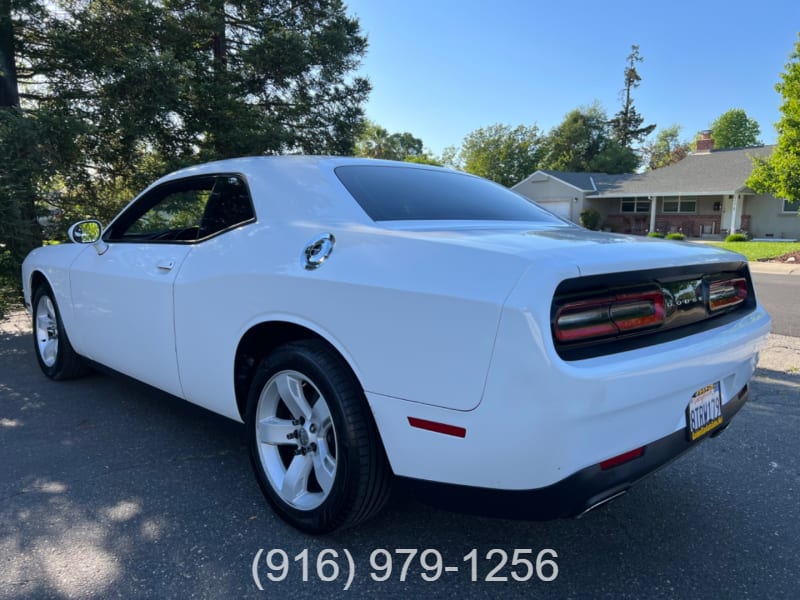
(704, 412)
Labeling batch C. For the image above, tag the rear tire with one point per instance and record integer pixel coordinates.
(313, 444)
(55, 354)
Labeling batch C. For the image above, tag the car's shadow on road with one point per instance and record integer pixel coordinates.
(108, 486)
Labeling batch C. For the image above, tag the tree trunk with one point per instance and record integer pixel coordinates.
(9, 92)
(220, 44)
(219, 64)
(20, 233)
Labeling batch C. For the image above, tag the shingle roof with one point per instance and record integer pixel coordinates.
(588, 182)
(717, 172)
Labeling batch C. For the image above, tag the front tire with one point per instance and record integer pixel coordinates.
(313, 444)
(55, 354)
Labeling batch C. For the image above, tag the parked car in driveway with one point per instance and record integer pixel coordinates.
(372, 320)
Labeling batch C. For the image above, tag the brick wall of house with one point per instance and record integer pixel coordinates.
(689, 225)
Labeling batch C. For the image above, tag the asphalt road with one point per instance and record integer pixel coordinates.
(111, 489)
(780, 295)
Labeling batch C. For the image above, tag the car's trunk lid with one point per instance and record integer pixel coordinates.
(591, 252)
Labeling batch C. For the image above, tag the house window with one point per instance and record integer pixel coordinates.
(790, 206)
(681, 205)
(638, 205)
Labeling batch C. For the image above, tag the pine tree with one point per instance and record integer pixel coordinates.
(627, 123)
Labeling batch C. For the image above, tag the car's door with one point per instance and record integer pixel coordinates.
(123, 297)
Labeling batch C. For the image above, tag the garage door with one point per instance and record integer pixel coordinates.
(559, 207)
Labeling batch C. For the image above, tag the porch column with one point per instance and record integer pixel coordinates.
(734, 208)
(652, 213)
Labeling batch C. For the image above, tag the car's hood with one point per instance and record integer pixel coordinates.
(591, 252)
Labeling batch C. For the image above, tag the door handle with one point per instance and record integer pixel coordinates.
(165, 265)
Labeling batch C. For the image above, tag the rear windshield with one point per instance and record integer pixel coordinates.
(406, 193)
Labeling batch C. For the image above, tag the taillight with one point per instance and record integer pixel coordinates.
(609, 315)
(726, 293)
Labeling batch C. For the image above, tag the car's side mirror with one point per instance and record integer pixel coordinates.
(85, 232)
(88, 232)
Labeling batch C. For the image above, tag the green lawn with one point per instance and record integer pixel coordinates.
(759, 250)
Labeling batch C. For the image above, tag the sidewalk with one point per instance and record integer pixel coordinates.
(781, 354)
(775, 268)
(763, 267)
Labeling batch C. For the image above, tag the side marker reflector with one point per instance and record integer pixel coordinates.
(616, 461)
(437, 427)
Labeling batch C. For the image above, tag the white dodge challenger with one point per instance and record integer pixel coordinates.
(372, 320)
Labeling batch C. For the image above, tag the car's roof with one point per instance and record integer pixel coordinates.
(249, 163)
(306, 184)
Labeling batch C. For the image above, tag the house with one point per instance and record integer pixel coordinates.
(702, 195)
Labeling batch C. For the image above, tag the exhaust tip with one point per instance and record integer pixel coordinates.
(603, 501)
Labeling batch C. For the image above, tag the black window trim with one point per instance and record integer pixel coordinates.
(172, 182)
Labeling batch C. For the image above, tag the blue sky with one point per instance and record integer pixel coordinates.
(442, 68)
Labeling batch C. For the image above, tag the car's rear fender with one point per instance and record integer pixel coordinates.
(541, 419)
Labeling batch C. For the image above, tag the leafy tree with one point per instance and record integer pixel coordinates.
(375, 141)
(450, 158)
(627, 125)
(212, 79)
(734, 129)
(23, 156)
(133, 89)
(499, 152)
(583, 141)
(113, 93)
(20, 165)
(779, 174)
(615, 158)
(424, 159)
(407, 145)
(667, 149)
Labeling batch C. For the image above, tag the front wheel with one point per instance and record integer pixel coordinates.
(313, 444)
(54, 352)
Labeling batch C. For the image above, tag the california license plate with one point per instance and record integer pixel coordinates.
(704, 412)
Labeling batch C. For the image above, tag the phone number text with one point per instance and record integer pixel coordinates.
(402, 564)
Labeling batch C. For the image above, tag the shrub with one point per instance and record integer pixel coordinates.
(590, 218)
(736, 237)
(675, 236)
(9, 280)
(655, 234)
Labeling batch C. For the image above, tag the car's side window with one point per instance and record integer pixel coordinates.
(185, 211)
(228, 205)
(176, 216)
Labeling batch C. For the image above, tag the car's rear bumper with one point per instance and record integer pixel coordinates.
(575, 495)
